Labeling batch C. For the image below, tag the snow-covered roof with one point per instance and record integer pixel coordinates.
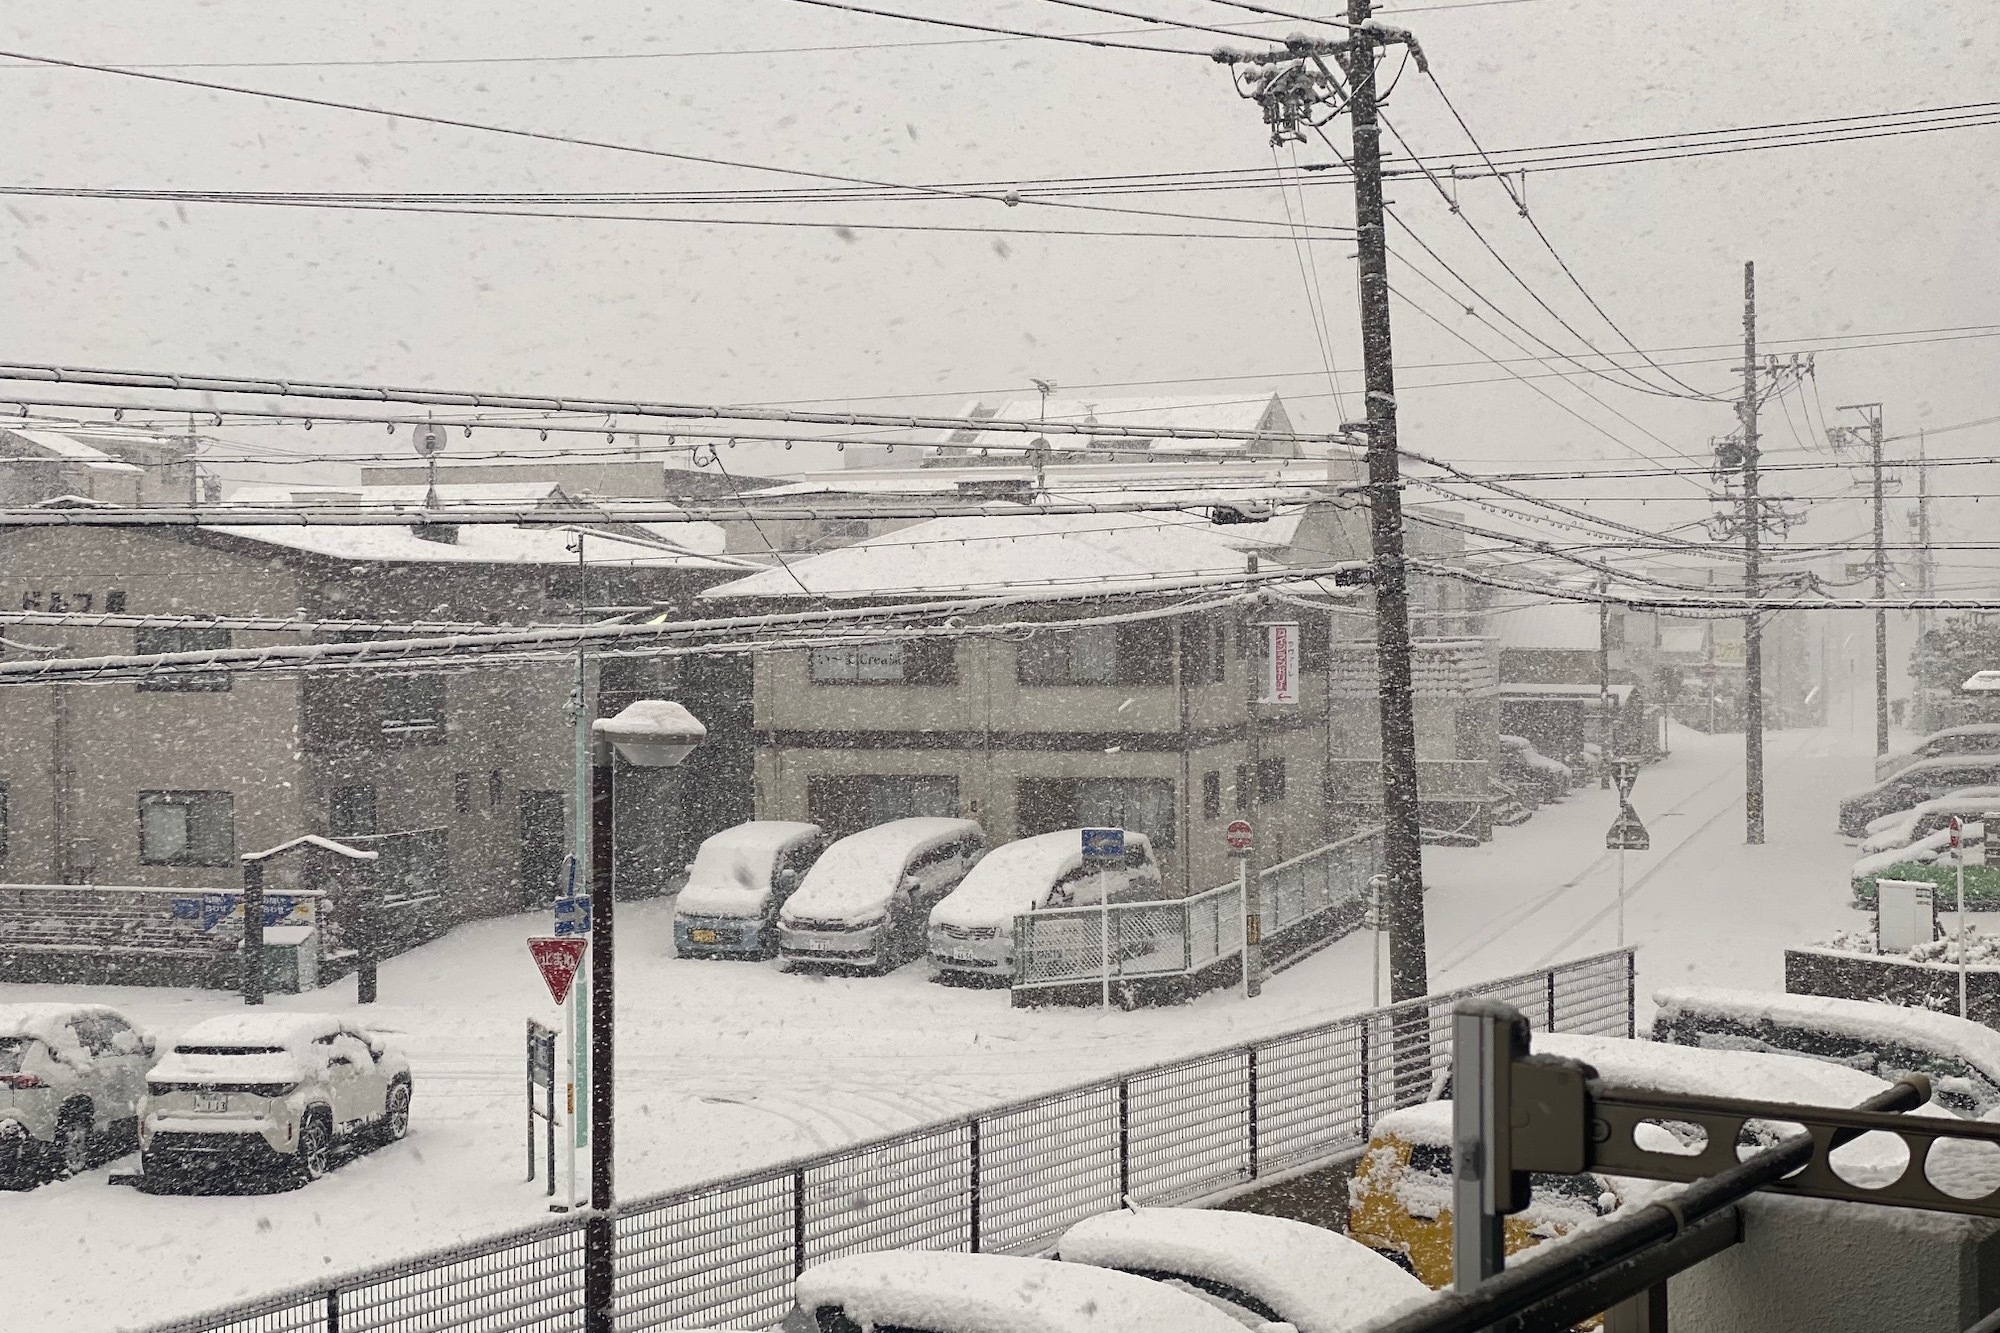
(513, 494)
(1756, 1075)
(55, 444)
(856, 876)
(477, 543)
(1105, 553)
(1923, 1029)
(1317, 1280)
(1145, 417)
(1547, 625)
(1981, 682)
(1014, 877)
(995, 1293)
(312, 840)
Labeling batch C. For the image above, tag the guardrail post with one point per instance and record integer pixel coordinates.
(1367, 1120)
(1124, 1140)
(972, 1154)
(798, 1221)
(1631, 993)
(1550, 1025)
(1252, 1054)
(333, 1310)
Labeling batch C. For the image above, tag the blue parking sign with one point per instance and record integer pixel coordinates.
(573, 916)
(1104, 844)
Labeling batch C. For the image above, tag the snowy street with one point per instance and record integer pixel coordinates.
(726, 1066)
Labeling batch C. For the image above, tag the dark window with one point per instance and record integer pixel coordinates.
(844, 803)
(1205, 650)
(461, 793)
(1242, 787)
(496, 789)
(351, 812)
(1270, 780)
(187, 828)
(1136, 654)
(412, 710)
(1315, 648)
(918, 662)
(114, 602)
(1211, 796)
(1143, 805)
(181, 639)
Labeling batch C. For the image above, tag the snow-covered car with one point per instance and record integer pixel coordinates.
(1525, 766)
(1973, 738)
(1400, 1193)
(867, 899)
(737, 882)
(1269, 1269)
(1925, 780)
(273, 1089)
(972, 927)
(1960, 1057)
(1901, 828)
(71, 1076)
(921, 1291)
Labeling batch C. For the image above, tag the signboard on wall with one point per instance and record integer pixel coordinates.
(1281, 663)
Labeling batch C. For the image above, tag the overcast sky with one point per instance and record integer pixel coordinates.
(1879, 235)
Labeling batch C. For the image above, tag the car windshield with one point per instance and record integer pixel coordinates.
(13, 1050)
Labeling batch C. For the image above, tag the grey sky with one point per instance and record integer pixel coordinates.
(1886, 234)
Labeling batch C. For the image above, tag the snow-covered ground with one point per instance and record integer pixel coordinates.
(727, 1065)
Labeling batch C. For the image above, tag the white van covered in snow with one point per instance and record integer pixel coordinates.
(865, 901)
(736, 884)
(1961, 1058)
(972, 929)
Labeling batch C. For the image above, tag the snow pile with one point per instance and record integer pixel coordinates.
(48, 1024)
(1980, 950)
(1758, 1076)
(1014, 877)
(1922, 851)
(1318, 1280)
(731, 874)
(1867, 1020)
(992, 1293)
(854, 879)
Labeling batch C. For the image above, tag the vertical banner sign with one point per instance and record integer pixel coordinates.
(1281, 663)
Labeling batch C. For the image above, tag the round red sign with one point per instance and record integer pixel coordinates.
(1239, 835)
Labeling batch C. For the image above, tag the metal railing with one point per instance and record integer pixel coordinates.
(1010, 1179)
(1069, 946)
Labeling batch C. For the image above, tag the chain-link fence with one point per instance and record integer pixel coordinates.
(1011, 1179)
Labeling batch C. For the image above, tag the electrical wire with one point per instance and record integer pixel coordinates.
(1099, 42)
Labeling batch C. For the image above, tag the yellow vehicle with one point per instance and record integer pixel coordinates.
(1399, 1199)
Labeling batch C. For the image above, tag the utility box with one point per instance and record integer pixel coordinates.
(291, 959)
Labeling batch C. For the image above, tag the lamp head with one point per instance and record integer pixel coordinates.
(651, 733)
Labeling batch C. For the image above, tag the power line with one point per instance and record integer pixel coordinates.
(961, 24)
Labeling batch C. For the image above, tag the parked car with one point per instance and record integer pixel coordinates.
(1902, 828)
(1531, 772)
(867, 899)
(1973, 738)
(1269, 1269)
(71, 1076)
(273, 1089)
(737, 882)
(1925, 780)
(1401, 1190)
(929, 1291)
(1960, 1057)
(972, 928)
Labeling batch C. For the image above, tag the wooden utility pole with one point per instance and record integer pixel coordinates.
(1752, 522)
(1409, 968)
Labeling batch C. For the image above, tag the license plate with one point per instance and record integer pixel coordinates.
(702, 936)
(211, 1101)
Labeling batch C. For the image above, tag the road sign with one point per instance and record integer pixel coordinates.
(1624, 772)
(1240, 837)
(1627, 833)
(1708, 671)
(558, 960)
(573, 916)
(1104, 844)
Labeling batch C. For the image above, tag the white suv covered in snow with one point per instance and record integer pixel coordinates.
(271, 1089)
(69, 1074)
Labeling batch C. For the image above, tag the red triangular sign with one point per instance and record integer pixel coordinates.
(558, 957)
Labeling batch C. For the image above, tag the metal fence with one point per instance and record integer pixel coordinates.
(1011, 1179)
(1182, 936)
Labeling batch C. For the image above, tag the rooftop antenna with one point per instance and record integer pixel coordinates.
(1045, 388)
(429, 439)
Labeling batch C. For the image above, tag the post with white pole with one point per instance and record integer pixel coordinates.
(1621, 897)
(1104, 939)
(571, 1127)
(1958, 855)
(1101, 847)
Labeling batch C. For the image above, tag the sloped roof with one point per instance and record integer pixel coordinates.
(477, 544)
(55, 444)
(1562, 625)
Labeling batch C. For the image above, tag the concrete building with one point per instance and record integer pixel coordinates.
(462, 780)
(1030, 723)
(108, 464)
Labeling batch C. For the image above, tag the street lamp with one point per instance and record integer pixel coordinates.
(649, 733)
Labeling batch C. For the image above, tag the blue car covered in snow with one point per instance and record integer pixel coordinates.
(736, 884)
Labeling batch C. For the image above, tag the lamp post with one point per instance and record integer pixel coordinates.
(650, 733)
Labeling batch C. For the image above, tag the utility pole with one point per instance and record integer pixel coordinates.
(1288, 85)
(1920, 713)
(1409, 968)
(1753, 638)
(1872, 413)
(1605, 731)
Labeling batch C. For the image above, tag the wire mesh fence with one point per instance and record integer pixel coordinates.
(1006, 1180)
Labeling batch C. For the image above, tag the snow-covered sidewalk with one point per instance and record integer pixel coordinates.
(724, 1066)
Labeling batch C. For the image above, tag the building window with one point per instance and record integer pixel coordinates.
(1270, 780)
(844, 803)
(1204, 650)
(1211, 796)
(187, 828)
(1135, 654)
(181, 639)
(114, 602)
(351, 812)
(1143, 805)
(461, 793)
(412, 709)
(917, 662)
(496, 789)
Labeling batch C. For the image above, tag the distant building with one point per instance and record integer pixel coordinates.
(108, 464)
